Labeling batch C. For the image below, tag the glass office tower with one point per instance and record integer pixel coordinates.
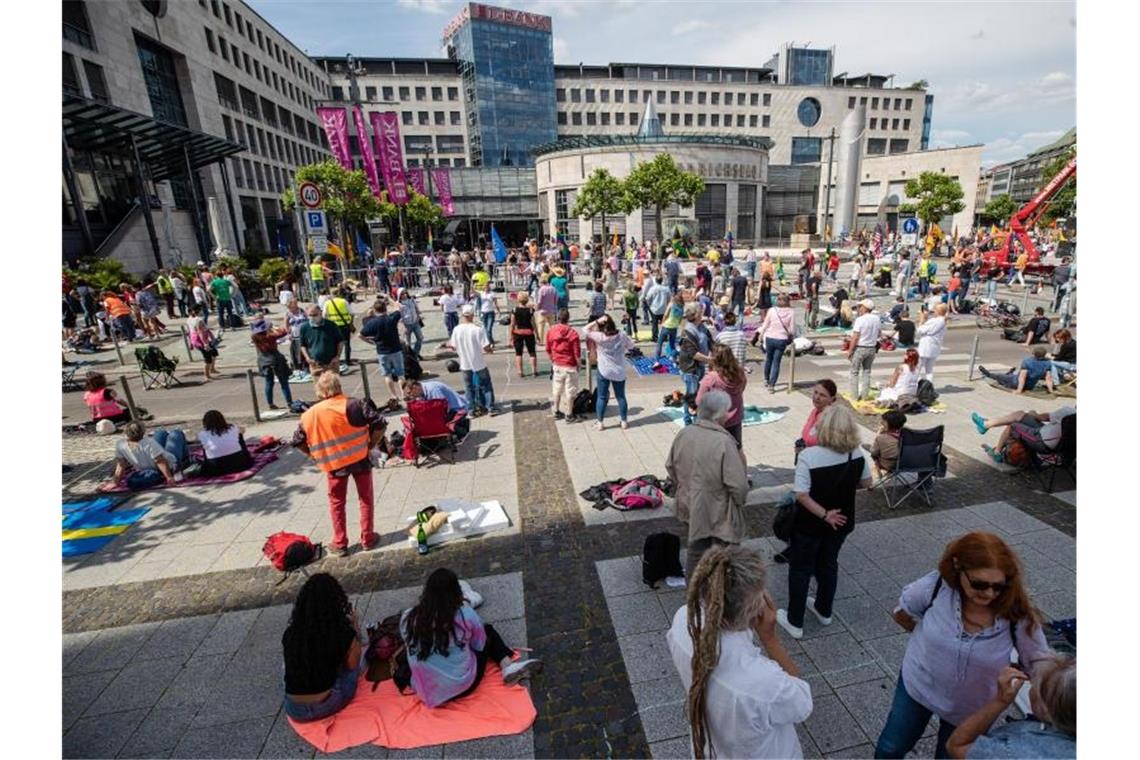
(506, 59)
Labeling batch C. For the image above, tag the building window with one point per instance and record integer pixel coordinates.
(225, 48)
(369, 92)
(894, 123)
(806, 150)
(421, 93)
(453, 93)
(436, 94)
(715, 99)
(235, 168)
(701, 119)
(661, 97)
(560, 95)
(906, 125)
(688, 97)
(876, 146)
(562, 118)
(851, 102)
(459, 163)
(898, 104)
(418, 143)
(715, 120)
(753, 121)
(674, 119)
(767, 99)
(754, 99)
(710, 207)
(674, 97)
(874, 103)
(909, 103)
(455, 117)
(619, 96)
(899, 146)
(70, 77)
(423, 118)
(591, 118)
(740, 98)
(589, 96)
(438, 118)
(619, 117)
(605, 118)
(728, 120)
(406, 117)
(76, 27)
(210, 41)
(701, 98)
(740, 120)
(604, 96)
(576, 118)
(96, 83)
(808, 112)
(229, 18)
(405, 93)
(746, 212)
(338, 93)
(575, 96)
(873, 123)
(633, 96)
(386, 93)
(688, 120)
(633, 119)
(161, 83)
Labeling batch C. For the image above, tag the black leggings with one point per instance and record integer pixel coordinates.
(495, 649)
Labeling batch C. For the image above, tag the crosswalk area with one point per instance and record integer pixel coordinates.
(950, 368)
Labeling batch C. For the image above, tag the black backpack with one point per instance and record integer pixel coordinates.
(926, 394)
(585, 401)
(661, 558)
(412, 368)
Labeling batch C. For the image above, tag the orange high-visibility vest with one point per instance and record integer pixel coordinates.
(333, 442)
(115, 307)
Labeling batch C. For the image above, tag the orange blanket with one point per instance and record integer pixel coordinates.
(389, 719)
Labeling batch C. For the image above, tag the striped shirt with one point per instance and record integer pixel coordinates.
(734, 338)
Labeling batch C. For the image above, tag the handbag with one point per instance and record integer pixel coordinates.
(385, 645)
(785, 517)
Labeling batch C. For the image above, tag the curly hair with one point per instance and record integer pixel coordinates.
(320, 623)
(431, 622)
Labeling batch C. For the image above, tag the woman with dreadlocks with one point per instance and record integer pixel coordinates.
(743, 700)
(449, 645)
(322, 651)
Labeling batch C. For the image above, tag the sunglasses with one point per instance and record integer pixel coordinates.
(977, 585)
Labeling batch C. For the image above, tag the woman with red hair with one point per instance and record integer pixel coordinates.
(965, 618)
(904, 382)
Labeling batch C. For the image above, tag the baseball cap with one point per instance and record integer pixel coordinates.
(467, 310)
(867, 303)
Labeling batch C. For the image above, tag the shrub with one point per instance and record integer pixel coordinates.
(101, 273)
(272, 271)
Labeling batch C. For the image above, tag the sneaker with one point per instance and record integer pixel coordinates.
(599, 425)
(479, 412)
(470, 595)
(572, 418)
(793, 631)
(624, 425)
(494, 411)
(274, 406)
(340, 551)
(372, 542)
(811, 606)
(559, 416)
(520, 669)
(993, 453)
(979, 423)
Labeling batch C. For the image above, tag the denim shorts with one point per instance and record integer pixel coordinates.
(392, 365)
(341, 694)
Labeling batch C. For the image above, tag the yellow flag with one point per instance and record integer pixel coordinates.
(335, 250)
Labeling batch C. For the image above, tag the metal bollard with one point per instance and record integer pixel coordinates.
(130, 399)
(364, 379)
(792, 376)
(118, 351)
(186, 342)
(253, 395)
(973, 358)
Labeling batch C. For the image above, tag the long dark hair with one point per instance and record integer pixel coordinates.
(214, 422)
(432, 621)
(321, 621)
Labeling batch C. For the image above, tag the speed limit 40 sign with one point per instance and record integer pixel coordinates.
(310, 195)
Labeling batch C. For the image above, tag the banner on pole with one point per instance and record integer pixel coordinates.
(441, 178)
(386, 131)
(366, 150)
(335, 122)
(416, 180)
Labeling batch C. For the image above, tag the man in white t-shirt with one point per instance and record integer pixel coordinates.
(470, 341)
(450, 303)
(863, 347)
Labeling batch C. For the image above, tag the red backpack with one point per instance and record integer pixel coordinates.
(290, 551)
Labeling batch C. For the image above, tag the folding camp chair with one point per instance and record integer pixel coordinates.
(69, 381)
(1046, 463)
(920, 461)
(156, 367)
(427, 426)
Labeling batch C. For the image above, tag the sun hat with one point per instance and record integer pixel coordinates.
(868, 304)
(258, 326)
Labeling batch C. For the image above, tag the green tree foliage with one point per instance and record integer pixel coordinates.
(603, 195)
(272, 271)
(934, 195)
(1000, 209)
(1064, 202)
(660, 183)
(100, 273)
(346, 194)
(420, 210)
(921, 84)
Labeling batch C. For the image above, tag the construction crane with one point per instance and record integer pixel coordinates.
(1024, 220)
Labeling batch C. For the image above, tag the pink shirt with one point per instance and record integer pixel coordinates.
(714, 382)
(779, 323)
(809, 434)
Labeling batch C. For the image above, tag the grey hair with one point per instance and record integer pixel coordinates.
(692, 309)
(1056, 683)
(713, 406)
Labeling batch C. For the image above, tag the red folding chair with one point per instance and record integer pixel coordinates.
(427, 420)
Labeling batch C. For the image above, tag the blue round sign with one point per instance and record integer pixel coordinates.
(910, 226)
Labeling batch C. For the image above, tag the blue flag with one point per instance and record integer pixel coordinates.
(500, 248)
(282, 248)
(361, 247)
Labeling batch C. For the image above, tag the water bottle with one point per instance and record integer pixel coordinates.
(421, 539)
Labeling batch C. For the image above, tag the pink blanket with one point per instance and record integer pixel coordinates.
(389, 719)
(263, 450)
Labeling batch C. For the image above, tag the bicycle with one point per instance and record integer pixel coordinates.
(996, 316)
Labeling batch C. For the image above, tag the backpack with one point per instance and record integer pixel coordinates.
(636, 494)
(926, 394)
(660, 558)
(585, 401)
(290, 551)
(386, 655)
(412, 368)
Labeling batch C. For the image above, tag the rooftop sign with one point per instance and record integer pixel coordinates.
(511, 16)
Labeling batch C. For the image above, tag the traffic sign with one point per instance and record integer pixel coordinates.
(316, 223)
(910, 226)
(909, 238)
(320, 244)
(310, 195)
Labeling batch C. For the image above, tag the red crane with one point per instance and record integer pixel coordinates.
(1023, 221)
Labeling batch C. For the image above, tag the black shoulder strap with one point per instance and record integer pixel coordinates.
(934, 594)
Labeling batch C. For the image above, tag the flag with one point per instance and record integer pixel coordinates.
(615, 243)
(993, 230)
(361, 246)
(336, 250)
(282, 248)
(877, 239)
(500, 248)
(430, 240)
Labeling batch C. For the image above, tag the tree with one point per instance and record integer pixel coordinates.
(346, 195)
(1064, 201)
(602, 194)
(935, 195)
(1001, 208)
(660, 183)
(921, 84)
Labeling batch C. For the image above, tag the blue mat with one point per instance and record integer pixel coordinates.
(78, 546)
(644, 366)
(100, 503)
(100, 519)
(753, 415)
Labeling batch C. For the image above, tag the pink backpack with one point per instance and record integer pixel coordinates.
(636, 494)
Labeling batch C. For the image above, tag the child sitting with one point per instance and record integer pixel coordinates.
(885, 449)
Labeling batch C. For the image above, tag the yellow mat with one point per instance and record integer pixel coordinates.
(870, 406)
(110, 530)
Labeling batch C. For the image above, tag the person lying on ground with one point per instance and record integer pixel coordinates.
(1033, 369)
(1036, 331)
(1039, 431)
(223, 444)
(144, 458)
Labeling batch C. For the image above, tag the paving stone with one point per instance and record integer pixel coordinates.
(861, 751)
(103, 735)
(869, 703)
(426, 753)
(243, 692)
(195, 682)
(239, 739)
(637, 613)
(284, 742)
(502, 596)
(672, 749)
(1054, 544)
(159, 733)
(1057, 605)
(112, 649)
(80, 690)
(889, 650)
(661, 704)
(228, 632)
(867, 671)
(514, 746)
(1007, 517)
(178, 638)
(904, 568)
(865, 617)
(621, 576)
(839, 651)
(831, 726)
(75, 643)
(646, 656)
(671, 601)
(138, 685)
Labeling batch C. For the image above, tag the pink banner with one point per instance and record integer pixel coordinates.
(441, 178)
(386, 132)
(366, 150)
(416, 180)
(335, 122)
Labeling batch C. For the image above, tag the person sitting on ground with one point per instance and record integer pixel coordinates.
(744, 693)
(904, 333)
(322, 651)
(1032, 370)
(902, 388)
(1036, 331)
(448, 645)
(1040, 431)
(224, 446)
(897, 309)
(885, 448)
(101, 400)
(1064, 357)
(1050, 730)
(146, 460)
(432, 389)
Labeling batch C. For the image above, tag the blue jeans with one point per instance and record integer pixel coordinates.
(480, 392)
(450, 321)
(773, 355)
(239, 304)
(738, 307)
(342, 693)
(174, 442)
(224, 307)
(905, 725)
(991, 289)
(489, 325)
(1056, 367)
(604, 386)
(415, 331)
(692, 382)
(667, 334)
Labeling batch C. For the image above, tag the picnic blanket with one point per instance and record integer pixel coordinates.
(753, 415)
(644, 366)
(264, 451)
(870, 406)
(386, 718)
(1040, 391)
(89, 525)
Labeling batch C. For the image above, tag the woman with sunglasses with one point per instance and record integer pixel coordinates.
(965, 619)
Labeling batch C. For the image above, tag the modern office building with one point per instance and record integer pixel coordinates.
(1026, 175)
(210, 84)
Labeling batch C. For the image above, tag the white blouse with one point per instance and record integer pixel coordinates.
(218, 446)
(930, 335)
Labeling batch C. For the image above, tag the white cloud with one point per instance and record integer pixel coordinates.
(946, 138)
(688, 27)
(561, 50)
(1012, 148)
(1053, 89)
(1056, 77)
(427, 6)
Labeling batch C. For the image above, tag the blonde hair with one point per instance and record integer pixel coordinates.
(837, 429)
(726, 593)
(1055, 681)
(941, 309)
(328, 385)
(524, 299)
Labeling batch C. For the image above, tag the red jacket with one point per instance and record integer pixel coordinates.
(564, 346)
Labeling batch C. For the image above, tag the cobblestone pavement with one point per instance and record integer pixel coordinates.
(171, 633)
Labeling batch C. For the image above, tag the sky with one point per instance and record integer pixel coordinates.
(1003, 74)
